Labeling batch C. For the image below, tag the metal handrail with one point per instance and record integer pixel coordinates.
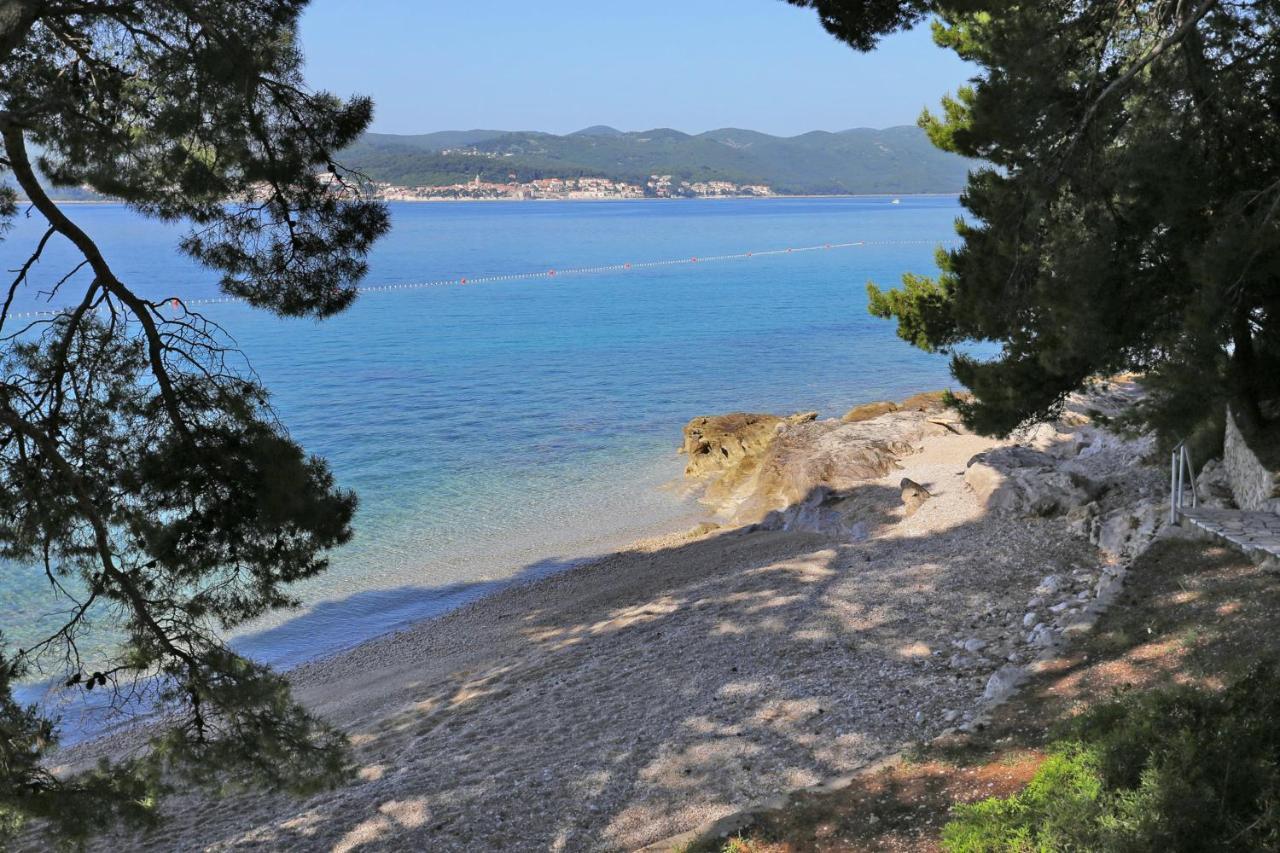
(1180, 464)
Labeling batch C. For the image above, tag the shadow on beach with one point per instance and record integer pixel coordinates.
(321, 631)
(325, 628)
(630, 698)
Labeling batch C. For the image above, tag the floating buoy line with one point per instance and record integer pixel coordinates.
(467, 281)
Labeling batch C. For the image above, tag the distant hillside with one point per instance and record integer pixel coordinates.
(57, 193)
(893, 160)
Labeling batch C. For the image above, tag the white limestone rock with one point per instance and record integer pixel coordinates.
(1048, 586)
(1025, 481)
(1213, 486)
(1003, 682)
(1126, 532)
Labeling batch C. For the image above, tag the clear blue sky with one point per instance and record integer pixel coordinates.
(561, 65)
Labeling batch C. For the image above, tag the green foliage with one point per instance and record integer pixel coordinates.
(897, 159)
(142, 470)
(1180, 769)
(1187, 405)
(77, 808)
(1054, 812)
(1127, 219)
(922, 309)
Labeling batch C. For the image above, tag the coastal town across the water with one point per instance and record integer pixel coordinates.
(657, 186)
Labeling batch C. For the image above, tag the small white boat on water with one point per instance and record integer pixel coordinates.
(896, 201)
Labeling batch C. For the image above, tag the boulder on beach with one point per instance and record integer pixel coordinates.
(913, 495)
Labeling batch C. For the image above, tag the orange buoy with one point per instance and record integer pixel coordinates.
(628, 266)
(175, 303)
(551, 272)
(693, 260)
(464, 281)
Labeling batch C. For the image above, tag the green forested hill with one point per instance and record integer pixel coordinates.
(893, 160)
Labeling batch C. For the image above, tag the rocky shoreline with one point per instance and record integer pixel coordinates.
(796, 473)
(869, 582)
(1107, 489)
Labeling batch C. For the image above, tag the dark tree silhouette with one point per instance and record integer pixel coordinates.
(862, 23)
(1126, 214)
(141, 468)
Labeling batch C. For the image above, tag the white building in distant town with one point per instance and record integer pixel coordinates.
(658, 186)
(665, 186)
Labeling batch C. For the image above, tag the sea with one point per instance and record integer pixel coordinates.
(505, 429)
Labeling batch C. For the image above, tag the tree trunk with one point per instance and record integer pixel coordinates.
(1244, 365)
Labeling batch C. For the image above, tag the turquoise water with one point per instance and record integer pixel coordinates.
(508, 429)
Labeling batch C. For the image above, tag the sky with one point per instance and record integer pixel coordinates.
(562, 65)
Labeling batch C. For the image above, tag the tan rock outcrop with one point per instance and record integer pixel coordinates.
(753, 464)
(721, 442)
(929, 401)
(867, 411)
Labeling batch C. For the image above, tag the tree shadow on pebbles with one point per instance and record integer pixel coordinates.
(632, 698)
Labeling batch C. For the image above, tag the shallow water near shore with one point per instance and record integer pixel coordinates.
(506, 430)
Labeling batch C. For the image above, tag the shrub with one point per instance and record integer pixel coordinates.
(1180, 769)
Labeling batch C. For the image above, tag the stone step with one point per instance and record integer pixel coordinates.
(1250, 531)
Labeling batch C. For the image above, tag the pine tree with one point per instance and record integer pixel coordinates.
(141, 471)
(1125, 215)
(861, 23)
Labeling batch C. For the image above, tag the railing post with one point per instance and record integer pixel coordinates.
(1191, 475)
(1180, 492)
(1173, 487)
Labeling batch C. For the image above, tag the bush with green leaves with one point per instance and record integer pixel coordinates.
(1179, 769)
